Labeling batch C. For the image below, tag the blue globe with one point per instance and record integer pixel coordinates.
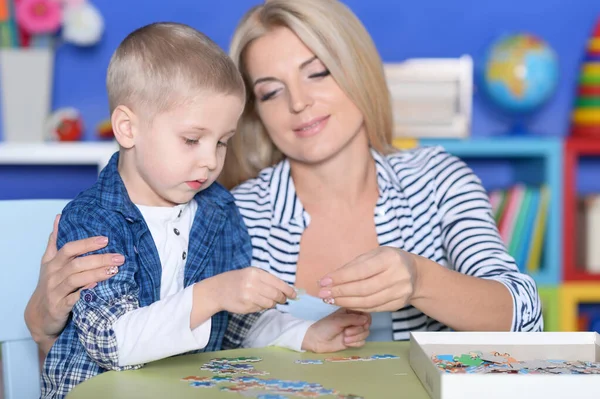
(519, 74)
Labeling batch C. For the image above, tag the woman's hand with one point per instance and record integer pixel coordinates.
(383, 279)
(62, 275)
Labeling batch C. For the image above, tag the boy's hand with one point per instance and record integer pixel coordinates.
(251, 290)
(340, 330)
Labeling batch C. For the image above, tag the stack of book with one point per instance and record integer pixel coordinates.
(521, 214)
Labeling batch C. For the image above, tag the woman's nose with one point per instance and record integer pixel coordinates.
(299, 98)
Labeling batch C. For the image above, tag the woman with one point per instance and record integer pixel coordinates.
(330, 206)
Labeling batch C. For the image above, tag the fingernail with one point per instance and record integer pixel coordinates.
(329, 301)
(363, 319)
(112, 270)
(324, 294)
(102, 240)
(325, 282)
(118, 259)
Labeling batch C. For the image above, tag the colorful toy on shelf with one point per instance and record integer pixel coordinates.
(585, 119)
(65, 124)
(104, 130)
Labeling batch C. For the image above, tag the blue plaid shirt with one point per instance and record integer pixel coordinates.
(218, 242)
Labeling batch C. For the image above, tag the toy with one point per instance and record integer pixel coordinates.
(65, 124)
(585, 119)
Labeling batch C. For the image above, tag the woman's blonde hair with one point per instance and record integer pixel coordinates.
(341, 42)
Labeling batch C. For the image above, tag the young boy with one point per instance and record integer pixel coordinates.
(175, 99)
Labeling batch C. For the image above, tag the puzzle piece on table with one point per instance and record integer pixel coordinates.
(384, 356)
(203, 384)
(231, 366)
(256, 387)
(195, 378)
(241, 359)
(361, 358)
(309, 361)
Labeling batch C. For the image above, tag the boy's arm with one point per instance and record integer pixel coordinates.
(161, 330)
(268, 328)
(116, 332)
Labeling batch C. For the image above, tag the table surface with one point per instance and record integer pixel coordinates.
(377, 379)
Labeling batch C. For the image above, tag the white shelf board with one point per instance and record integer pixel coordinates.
(57, 153)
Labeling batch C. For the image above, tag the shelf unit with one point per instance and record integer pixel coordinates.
(574, 150)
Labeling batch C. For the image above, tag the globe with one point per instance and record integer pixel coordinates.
(519, 74)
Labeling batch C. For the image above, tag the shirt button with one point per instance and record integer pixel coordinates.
(88, 297)
(135, 249)
(130, 220)
(183, 255)
(179, 215)
(176, 231)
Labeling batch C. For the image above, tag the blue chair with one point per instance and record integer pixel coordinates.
(24, 229)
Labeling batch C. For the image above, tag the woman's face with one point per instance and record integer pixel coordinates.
(307, 115)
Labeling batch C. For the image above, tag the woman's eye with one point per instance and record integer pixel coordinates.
(320, 74)
(222, 144)
(268, 96)
(191, 141)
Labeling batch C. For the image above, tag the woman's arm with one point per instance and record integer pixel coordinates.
(482, 290)
(460, 301)
(497, 296)
(62, 275)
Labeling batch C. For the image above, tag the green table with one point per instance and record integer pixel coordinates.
(377, 379)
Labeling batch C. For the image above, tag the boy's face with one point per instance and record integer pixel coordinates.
(183, 150)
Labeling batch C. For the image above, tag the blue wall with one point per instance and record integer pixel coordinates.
(401, 29)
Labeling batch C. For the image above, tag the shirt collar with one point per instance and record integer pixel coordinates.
(287, 208)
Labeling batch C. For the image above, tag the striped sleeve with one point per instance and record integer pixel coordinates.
(472, 242)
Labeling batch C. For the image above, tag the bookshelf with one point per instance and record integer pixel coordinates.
(575, 150)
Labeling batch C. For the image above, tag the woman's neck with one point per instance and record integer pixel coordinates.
(344, 179)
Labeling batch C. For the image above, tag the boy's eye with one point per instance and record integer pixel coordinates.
(190, 141)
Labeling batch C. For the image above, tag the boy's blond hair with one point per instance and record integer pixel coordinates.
(341, 42)
(161, 65)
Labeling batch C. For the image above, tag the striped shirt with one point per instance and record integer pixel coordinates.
(430, 204)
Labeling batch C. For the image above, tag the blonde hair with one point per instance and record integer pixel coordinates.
(160, 65)
(341, 42)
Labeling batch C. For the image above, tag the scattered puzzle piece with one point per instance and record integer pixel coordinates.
(202, 384)
(309, 361)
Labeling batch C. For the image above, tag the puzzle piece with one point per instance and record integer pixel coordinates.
(202, 384)
(385, 356)
(242, 359)
(496, 362)
(308, 361)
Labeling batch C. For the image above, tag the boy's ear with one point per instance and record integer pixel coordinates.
(124, 126)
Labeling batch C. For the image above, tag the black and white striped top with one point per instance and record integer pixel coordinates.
(430, 204)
